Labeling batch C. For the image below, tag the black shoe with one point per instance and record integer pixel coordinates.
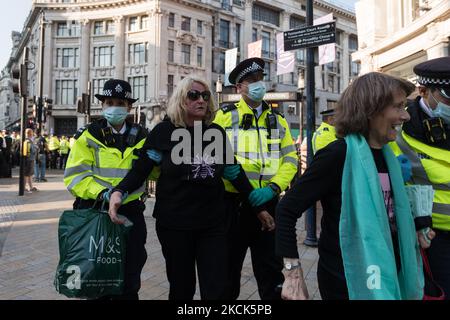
(43, 180)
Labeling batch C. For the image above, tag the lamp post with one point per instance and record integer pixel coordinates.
(218, 90)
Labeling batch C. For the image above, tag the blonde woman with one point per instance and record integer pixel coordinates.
(191, 223)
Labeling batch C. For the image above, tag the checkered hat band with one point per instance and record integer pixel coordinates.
(253, 68)
(433, 81)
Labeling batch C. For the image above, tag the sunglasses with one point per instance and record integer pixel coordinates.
(194, 95)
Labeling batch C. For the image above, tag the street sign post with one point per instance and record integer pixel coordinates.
(310, 36)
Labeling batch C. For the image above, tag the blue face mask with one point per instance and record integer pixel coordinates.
(115, 115)
(256, 91)
(442, 111)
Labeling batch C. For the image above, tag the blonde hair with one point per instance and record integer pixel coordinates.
(176, 108)
(365, 97)
(27, 132)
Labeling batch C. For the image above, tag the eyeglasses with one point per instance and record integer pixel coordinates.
(194, 95)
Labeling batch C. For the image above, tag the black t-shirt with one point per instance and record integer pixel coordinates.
(189, 194)
(322, 181)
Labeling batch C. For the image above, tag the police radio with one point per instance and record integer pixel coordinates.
(435, 130)
(131, 139)
(108, 136)
(247, 121)
(271, 123)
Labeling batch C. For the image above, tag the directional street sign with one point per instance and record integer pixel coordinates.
(310, 36)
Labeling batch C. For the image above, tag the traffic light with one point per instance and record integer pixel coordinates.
(21, 75)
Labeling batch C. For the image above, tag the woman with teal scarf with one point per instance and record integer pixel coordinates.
(368, 247)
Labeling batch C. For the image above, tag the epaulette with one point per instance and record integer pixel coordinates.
(80, 131)
(228, 107)
(326, 129)
(278, 112)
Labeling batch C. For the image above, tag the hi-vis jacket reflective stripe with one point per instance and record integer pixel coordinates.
(430, 166)
(323, 136)
(92, 167)
(265, 156)
(53, 143)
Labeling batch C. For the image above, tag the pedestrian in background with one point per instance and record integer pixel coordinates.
(368, 247)
(63, 152)
(41, 158)
(29, 153)
(326, 133)
(53, 146)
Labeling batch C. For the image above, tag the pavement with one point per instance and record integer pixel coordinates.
(29, 246)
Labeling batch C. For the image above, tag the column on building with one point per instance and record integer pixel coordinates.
(119, 47)
(48, 85)
(346, 61)
(440, 46)
(248, 26)
(394, 16)
(163, 52)
(84, 64)
(285, 26)
(156, 60)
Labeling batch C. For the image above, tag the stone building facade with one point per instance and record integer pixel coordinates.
(155, 43)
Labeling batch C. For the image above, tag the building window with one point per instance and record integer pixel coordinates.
(224, 40)
(296, 22)
(104, 56)
(133, 24)
(171, 51)
(186, 53)
(199, 27)
(67, 57)
(238, 36)
(67, 29)
(199, 56)
(98, 27)
(254, 34)
(110, 27)
(61, 29)
(97, 87)
(331, 80)
(355, 68)
(301, 56)
(169, 84)
(137, 53)
(265, 44)
(264, 14)
(144, 22)
(221, 62)
(66, 91)
(185, 23)
(267, 71)
(139, 87)
(352, 43)
(172, 20)
(331, 104)
(338, 37)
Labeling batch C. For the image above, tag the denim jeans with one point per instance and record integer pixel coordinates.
(39, 167)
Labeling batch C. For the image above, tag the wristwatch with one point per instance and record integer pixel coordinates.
(275, 188)
(291, 266)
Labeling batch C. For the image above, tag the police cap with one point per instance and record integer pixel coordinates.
(328, 112)
(435, 73)
(246, 68)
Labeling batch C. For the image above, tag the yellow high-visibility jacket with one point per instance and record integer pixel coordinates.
(93, 166)
(53, 143)
(265, 155)
(323, 136)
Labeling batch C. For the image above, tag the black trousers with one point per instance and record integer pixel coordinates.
(53, 158)
(245, 232)
(136, 255)
(183, 250)
(439, 258)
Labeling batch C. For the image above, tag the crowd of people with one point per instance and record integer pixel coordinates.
(224, 176)
(41, 152)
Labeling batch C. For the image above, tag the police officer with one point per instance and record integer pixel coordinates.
(262, 143)
(326, 133)
(101, 156)
(425, 141)
(63, 152)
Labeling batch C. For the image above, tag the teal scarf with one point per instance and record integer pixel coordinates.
(365, 238)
